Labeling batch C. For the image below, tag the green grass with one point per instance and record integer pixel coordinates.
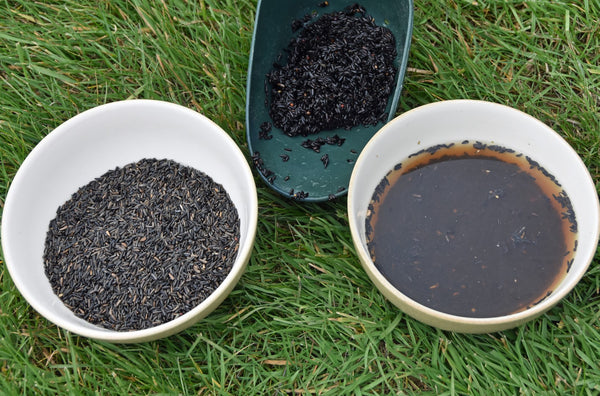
(304, 318)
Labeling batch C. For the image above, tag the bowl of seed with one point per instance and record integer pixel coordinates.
(472, 216)
(130, 221)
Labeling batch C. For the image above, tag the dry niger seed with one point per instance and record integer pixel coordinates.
(141, 245)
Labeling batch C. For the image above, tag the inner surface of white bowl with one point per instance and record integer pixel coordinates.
(87, 146)
(453, 122)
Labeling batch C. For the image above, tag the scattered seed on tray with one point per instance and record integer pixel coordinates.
(339, 74)
(325, 160)
(265, 128)
(141, 245)
(260, 166)
(257, 161)
(300, 195)
(316, 144)
(299, 23)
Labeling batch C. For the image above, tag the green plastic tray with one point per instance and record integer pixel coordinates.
(304, 171)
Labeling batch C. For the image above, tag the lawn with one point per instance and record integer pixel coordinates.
(304, 319)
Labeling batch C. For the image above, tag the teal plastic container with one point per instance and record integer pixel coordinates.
(304, 172)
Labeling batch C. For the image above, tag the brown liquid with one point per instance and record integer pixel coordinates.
(472, 230)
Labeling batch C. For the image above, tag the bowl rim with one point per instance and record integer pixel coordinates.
(420, 311)
(181, 322)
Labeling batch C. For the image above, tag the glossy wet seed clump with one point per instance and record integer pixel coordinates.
(141, 245)
(339, 74)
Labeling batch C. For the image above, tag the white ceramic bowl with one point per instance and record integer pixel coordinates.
(87, 146)
(455, 121)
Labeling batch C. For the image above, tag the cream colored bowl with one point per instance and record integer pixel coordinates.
(87, 146)
(455, 121)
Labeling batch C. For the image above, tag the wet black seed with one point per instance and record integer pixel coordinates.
(141, 245)
(265, 128)
(569, 264)
(325, 160)
(286, 178)
(316, 144)
(300, 195)
(285, 157)
(335, 140)
(500, 149)
(543, 298)
(257, 161)
(479, 146)
(569, 214)
(266, 172)
(535, 165)
(299, 23)
(313, 145)
(339, 73)
(260, 165)
(479, 234)
(331, 197)
(434, 149)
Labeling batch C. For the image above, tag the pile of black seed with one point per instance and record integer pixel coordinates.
(339, 74)
(141, 245)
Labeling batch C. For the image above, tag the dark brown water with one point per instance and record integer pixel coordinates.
(472, 230)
